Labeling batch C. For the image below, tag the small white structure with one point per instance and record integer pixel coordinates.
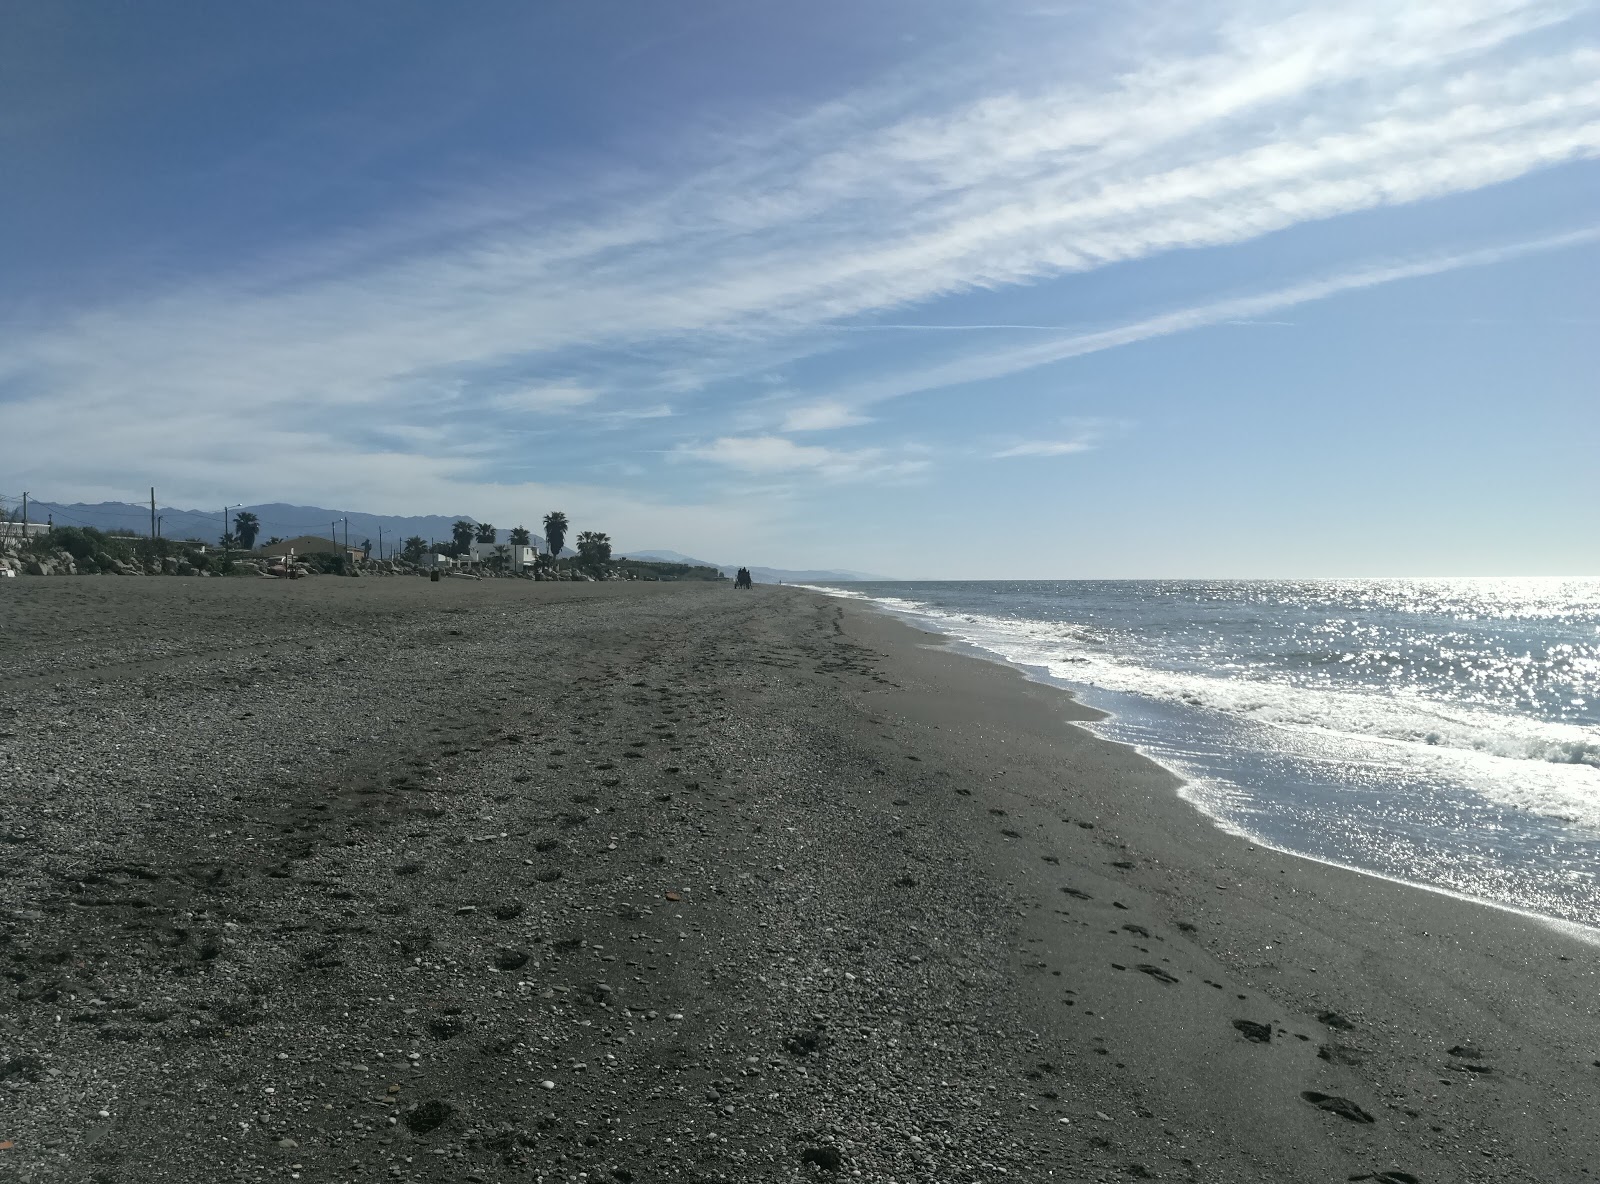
(23, 530)
(517, 558)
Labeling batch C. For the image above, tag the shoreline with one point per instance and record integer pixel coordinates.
(426, 882)
(1192, 788)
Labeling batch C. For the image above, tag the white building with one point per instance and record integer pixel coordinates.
(517, 558)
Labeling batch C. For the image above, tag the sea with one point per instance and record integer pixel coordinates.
(1443, 733)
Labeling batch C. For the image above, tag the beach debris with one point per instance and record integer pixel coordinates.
(1250, 1030)
(1122, 863)
(508, 910)
(674, 895)
(1470, 1052)
(1137, 930)
(1157, 973)
(1075, 893)
(507, 958)
(1334, 1104)
(1393, 1176)
(1186, 927)
(1334, 1020)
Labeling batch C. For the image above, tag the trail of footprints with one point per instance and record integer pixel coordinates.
(1466, 1057)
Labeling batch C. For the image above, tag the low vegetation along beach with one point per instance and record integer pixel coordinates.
(460, 881)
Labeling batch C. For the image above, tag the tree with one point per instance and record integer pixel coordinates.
(461, 534)
(247, 526)
(229, 542)
(273, 541)
(594, 550)
(485, 532)
(414, 547)
(520, 537)
(555, 532)
(502, 557)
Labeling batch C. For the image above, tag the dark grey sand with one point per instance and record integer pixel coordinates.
(391, 880)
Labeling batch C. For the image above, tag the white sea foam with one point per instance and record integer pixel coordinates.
(1549, 768)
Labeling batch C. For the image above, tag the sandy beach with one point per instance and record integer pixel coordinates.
(389, 880)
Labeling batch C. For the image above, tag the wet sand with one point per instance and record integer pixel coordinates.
(333, 877)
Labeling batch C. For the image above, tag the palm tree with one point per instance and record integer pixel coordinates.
(555, 532)
(502, 556)
(594, 550)
(520, 536)
(461, 534)
(414, 547)
(485, 532)
(229, 542)
(247, 526)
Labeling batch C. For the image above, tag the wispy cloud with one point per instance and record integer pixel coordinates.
(882, 200)
(980, 366)
(767, 455)
(545, 398)
(819, 417)
(1086, 435)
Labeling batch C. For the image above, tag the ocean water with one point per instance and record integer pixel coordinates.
(1441, 732)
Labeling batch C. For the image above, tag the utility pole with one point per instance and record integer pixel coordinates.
(155, 531)
(24, 513)
(333, 534)
(380, 544)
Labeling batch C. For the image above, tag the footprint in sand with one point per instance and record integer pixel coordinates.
(1252, 1031)
(1334, 1104)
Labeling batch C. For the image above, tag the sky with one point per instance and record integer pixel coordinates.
(929, 288)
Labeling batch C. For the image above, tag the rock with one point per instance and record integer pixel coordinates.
(36, 567)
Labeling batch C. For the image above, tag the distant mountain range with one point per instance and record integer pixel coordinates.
(284, 521)
(762, 575)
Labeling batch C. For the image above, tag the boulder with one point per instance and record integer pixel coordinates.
(37, 567)
(169, 566)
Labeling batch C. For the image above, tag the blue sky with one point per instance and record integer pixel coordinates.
(912, 286)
